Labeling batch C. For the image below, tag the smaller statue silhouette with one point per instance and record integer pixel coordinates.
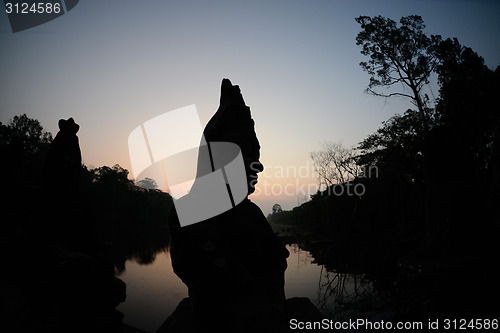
(78, 272)
(63, 162)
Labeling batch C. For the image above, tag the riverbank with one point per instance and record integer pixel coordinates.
(415, 279)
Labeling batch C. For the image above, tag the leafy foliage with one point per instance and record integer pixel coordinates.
(396, 143)
(467, 101)
(148, 183)
(25, 134)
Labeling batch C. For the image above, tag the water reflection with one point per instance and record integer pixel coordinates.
(344, 295)
(301, 276)
(338, 295)
(153, 290)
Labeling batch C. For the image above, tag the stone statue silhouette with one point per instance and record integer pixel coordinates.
(60, 181)
(233, 263)
(63, 162)
(77, 270)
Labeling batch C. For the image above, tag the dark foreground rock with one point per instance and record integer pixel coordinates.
(300, 309)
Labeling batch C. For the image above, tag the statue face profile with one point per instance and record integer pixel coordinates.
(221, 168)
(233, 123)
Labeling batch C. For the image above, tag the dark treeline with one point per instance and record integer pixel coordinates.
(133, 219)
(108, 210)
(430, 212)
(68, 230)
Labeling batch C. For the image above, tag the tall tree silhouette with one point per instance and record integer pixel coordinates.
(399, 55)
(468, 90)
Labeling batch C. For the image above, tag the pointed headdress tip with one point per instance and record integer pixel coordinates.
(225, 89)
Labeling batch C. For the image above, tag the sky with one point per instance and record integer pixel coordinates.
(112, 65)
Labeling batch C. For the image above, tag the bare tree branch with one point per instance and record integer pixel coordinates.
(371, 91)
(335, 164)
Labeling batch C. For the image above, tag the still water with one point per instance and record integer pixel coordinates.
(153, 291)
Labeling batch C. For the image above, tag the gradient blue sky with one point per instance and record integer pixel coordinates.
(114, 64)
